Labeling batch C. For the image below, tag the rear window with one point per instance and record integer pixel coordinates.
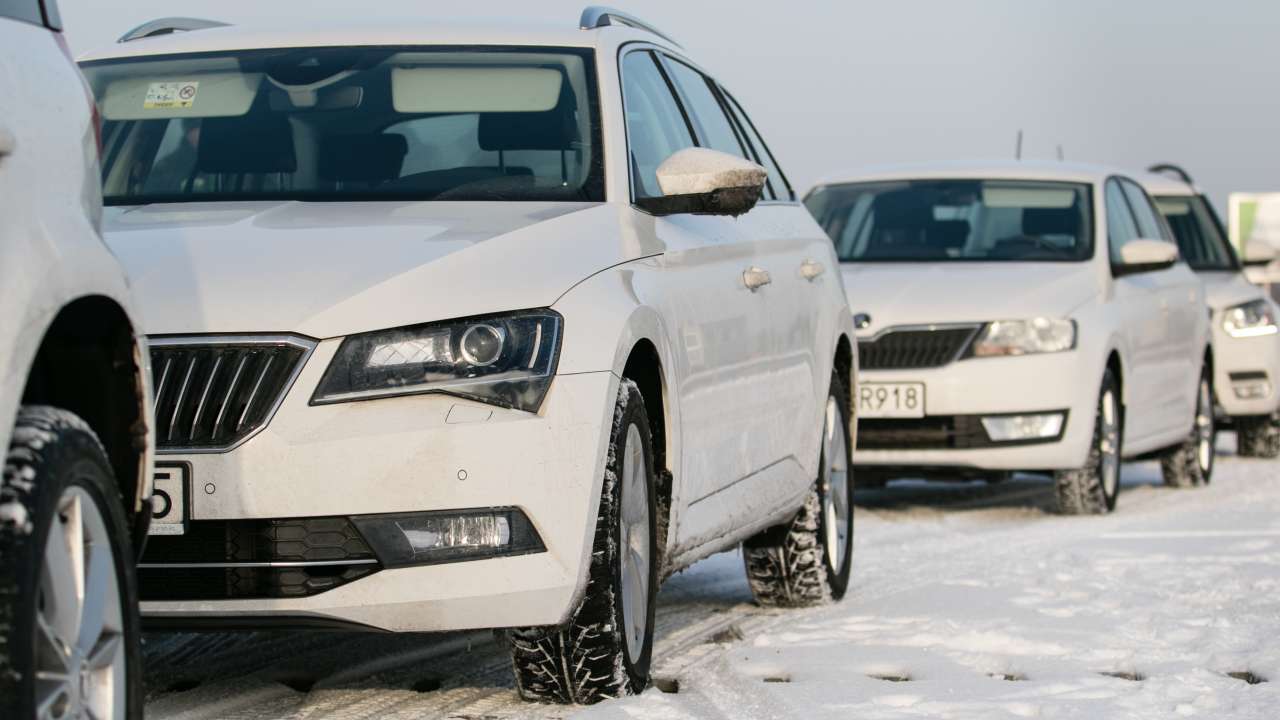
(331, 124)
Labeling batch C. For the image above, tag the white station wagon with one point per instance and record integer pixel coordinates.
(471, 327)
(1020, 317)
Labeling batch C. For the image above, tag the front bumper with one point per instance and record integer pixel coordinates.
(1246, 373)
(410, 455)
(1034, 384)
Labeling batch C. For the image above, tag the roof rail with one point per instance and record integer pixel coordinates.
(1171, 169)
(598, 16)
(167, 26)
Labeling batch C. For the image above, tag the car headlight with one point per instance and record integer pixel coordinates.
(505, 360)
(1024, 337)
(1251, 319)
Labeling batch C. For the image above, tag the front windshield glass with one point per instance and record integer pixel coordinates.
(1199, 235)
(956, 220)
(504, 124)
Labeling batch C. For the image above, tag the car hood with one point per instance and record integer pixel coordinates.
(1228, 288)
(927, 293)
(331, 269)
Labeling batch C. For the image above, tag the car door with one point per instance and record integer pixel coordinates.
(781, 365)
(714, 324)
(1139, 298)
(1184, 310)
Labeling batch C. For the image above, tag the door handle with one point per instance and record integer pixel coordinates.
(8, 143)
(811, 270)
(755, 278)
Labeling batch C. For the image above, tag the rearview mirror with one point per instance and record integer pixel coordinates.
(1142, 255)
(702, 181)
(1257, 252)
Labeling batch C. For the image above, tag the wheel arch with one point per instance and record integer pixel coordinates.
(89, 363)
(644, 367)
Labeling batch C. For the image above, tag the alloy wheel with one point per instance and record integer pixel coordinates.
(1204, 429)
(835, 486)
(634, 555)
(1109, 444)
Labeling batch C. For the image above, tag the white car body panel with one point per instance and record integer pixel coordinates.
(51, 253)
(1154, 322)
(1225, 289)
(745, 374)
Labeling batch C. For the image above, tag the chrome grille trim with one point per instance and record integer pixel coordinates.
(164, 349)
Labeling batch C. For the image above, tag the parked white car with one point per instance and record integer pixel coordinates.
(74, 400)
(472, 327)
(1020, 317)
(1246, 339)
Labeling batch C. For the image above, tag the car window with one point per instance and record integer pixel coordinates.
(1197, 232)
(1121, 227)
(351, 123)
(705, 111)
(1149, 224)
(656, 127)
(24, 10)
(777, 180)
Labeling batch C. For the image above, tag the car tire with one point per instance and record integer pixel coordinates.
(1190, 463)
(605, 648)
(68, 594)
(1093, 489)
(1258, 436)
(809, 560)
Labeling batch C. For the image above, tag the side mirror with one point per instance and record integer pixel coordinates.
(706, 182)
(1142, 255)
(1257, 252)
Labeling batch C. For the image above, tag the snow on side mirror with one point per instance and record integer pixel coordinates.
(1257, 252)
(706, 182)
(1144, 255)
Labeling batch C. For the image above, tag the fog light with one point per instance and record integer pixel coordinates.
(1011, 428)
(1252, 390)
(440, 537)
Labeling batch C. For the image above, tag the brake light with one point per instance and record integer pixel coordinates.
(95, 118)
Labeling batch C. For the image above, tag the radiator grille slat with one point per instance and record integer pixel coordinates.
(914, 348)
(244, 381)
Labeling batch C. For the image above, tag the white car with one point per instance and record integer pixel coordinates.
(1246, 339)
(472, 327)
(1020, 317)
(75, 494)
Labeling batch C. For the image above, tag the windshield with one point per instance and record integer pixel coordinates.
(351, 124)
(1198, 232)
(956, 220)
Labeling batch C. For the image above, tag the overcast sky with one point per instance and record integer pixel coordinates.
(841, 84)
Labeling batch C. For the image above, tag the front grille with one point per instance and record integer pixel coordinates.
(936, 432)
(212, 394)
(215, 559)
(907, 349)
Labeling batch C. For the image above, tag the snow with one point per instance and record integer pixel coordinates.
(968, 601)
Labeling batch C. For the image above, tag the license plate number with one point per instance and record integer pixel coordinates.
(891, 400)
(169, 500)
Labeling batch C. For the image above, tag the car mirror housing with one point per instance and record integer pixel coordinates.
(1257, 252)
(702, 181)
(1143, 255)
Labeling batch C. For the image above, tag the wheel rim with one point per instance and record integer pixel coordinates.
(835, 486)
(80, 648)
(634, 528)
(1109, 444)
(1204, 428)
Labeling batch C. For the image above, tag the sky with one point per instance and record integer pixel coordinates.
(837, 85)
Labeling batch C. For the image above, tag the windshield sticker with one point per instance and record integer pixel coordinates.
(169, 95)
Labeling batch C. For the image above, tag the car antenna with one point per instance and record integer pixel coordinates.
(1017, 153)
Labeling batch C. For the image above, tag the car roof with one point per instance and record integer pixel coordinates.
(413, 32)
(1161, 184)
(979, 169)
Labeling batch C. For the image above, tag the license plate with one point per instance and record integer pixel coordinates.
(891, 400)
(169, 500)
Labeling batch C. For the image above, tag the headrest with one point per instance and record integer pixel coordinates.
(948, 234)
(256, 143)
(1051, 221)
(910, 208)
(555, 129)
(362, 158)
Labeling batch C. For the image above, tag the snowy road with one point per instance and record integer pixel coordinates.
(969, 601)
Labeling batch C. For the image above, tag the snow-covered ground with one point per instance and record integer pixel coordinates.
(969, 601)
